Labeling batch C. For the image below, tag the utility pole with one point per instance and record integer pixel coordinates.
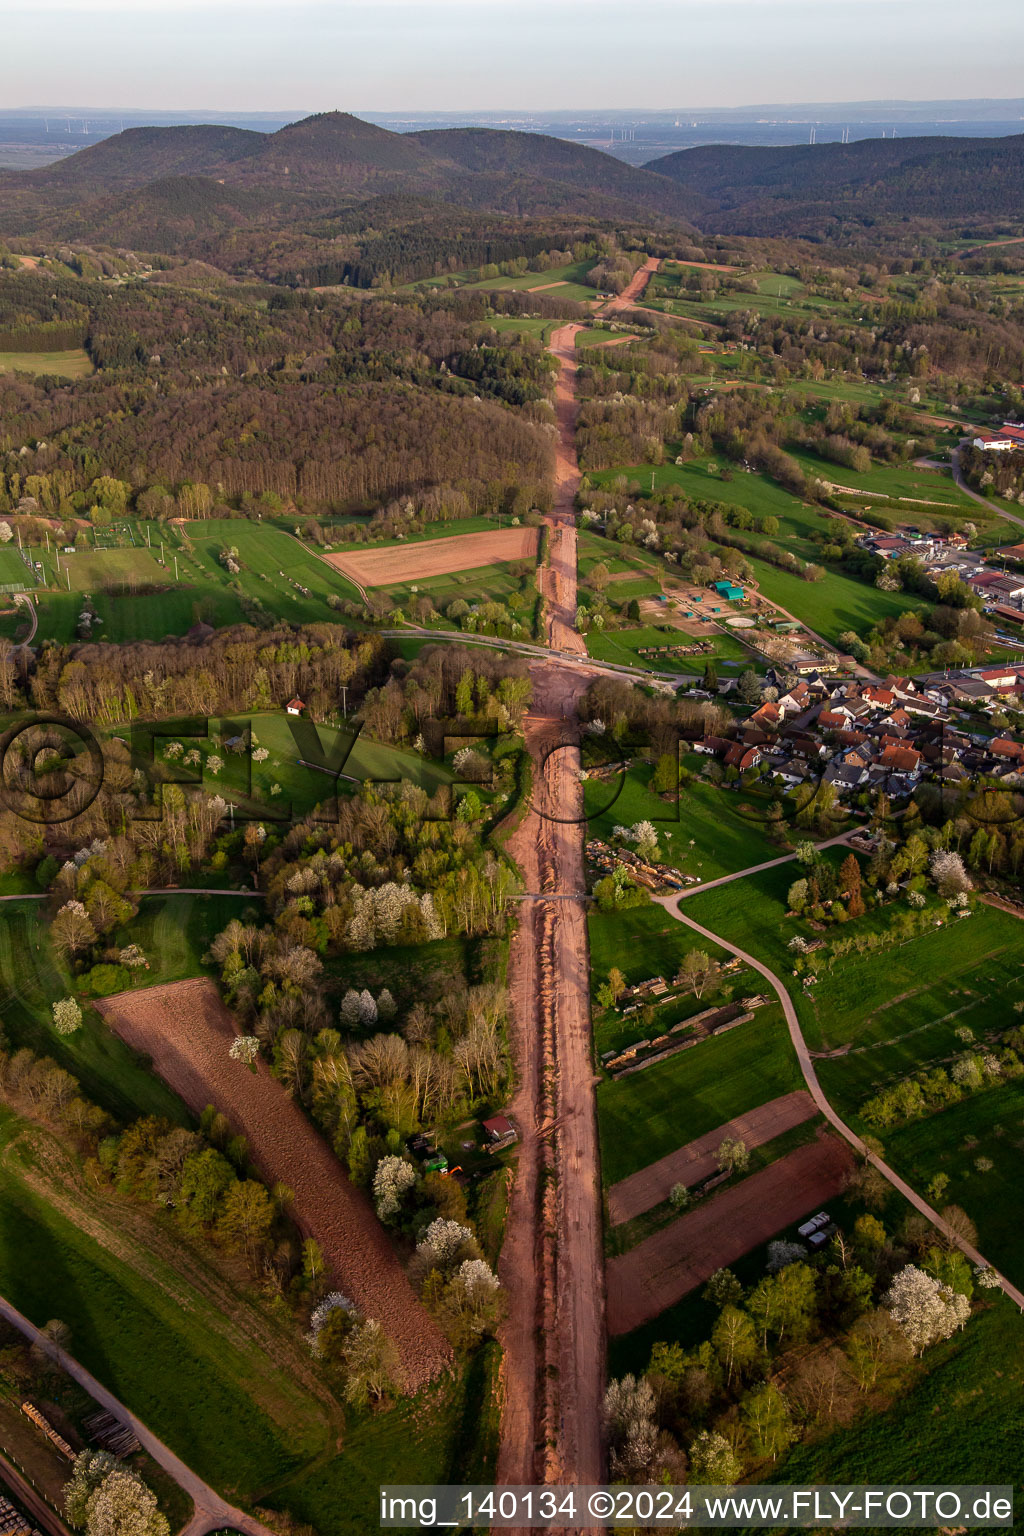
(344, 700)
(176, 568)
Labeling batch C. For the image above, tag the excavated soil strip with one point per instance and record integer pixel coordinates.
(668, 1265)
(634, 288)
(436, 557)
(186, 1030)
(696, 1161)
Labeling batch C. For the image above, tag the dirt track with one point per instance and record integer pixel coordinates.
(551, 1260)
(633, 290)
(558, 578)
(435, 557)
(688, 1165)
(668, 1265)
(186, 1030)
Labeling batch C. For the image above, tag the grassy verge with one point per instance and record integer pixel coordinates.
(206, 1368)
(644, 1117)
(979, 1376)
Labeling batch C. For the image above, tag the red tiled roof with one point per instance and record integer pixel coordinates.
(901, 759)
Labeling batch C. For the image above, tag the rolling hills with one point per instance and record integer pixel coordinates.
(322, 164)
(812, 189)
(185, 189)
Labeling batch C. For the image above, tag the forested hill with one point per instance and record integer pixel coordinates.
(326, 162)
(814, 190)
(502, 152)
(140, 155)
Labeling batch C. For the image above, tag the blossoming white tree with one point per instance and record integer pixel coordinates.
(393, 1179)
(442, 1242)
(106, 1499)
(948, 872)
(713, 1460)
(67, 1016)
(245, 1048)
(923, 1308)
(333, 1302)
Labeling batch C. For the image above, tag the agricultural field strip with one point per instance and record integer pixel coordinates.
(649, 1186)
(435, 557)
(187, 1031)
(670, 1263)
(875, 1045)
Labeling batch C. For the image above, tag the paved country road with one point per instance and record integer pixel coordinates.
(814, 1088)
(753, 869)
(982, 501)
(211, 1511)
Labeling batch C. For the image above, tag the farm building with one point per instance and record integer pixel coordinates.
(295, 706)
(728, 590)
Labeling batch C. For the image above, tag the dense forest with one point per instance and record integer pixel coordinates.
(323, 401)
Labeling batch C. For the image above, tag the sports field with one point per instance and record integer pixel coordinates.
(161, 579)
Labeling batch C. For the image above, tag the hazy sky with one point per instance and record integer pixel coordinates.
(390, 55)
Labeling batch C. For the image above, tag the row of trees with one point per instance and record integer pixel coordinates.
(979, 1065)
(202, 1177)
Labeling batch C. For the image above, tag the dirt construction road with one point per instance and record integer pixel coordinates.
(632, 292)
(688, 1165)
(551, 1260)
(668, 1265)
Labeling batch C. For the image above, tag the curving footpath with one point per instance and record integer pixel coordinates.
(753, 869)
(212, 1513)
(33, 618)
(814, 1088)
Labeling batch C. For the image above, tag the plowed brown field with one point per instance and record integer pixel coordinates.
(436, 557)
(688, 1165)
(668, 1265)
(186, 1030)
